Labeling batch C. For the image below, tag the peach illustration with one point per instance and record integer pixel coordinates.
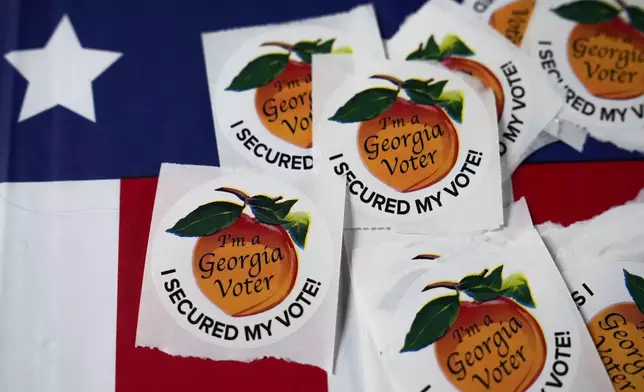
(490, 343)
(605, 51)
(283, 88)
(408, 144)
(245, 265)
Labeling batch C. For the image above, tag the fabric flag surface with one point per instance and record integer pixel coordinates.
(95, 96)
(58, 285)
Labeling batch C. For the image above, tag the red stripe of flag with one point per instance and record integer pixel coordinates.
(142, 369)
(569, 192)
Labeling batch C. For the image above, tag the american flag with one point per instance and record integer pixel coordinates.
(94, 96)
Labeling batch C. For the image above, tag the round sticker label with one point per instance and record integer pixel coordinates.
(498, 66)
(610, 296)
(262, 97)
(483, 330)
(595, 54)
(508, 17)
(242, 261)
(410, 143)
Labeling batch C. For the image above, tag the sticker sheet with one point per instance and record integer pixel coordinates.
(509, 17)
(602, 261)
(260, 86)
(416, 143)
(242, 266)
(592, 53)
(525, 103)
(396, 258)
(491, 317)
(610, 297)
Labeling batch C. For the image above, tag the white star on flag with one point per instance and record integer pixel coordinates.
(60, 73)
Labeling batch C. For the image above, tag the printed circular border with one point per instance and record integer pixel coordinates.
(549, 321)
(471, 133)
(231, 107)
(316, 260)
(551, 28)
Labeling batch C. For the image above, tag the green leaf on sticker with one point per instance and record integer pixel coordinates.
(516, 287)
(636, 17)
(431, 322)
(587, 11)
(281, 208)
(431, 48)
(483, 292)
(414, 84)
(284, 207)
(326, 46)
(635, 287)
(481, 287)
(268, 210)
(423, 93)
(260, 200)
(304, 56)
(431, 51)
(452, 102)
(297, 225)
(266, 214)
(305, 49)
(495, 278)
(342, 49)
(436, 89)
(259, 72)
(365, 105)
(416, 54)
(453, 46)
(207, 219)
(470, 281)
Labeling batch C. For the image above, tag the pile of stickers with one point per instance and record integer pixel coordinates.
(343, 170)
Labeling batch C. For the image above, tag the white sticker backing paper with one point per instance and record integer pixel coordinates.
(592, 53)
(496, 316)
(602, 261)
(416, 143)
(525, 102)
(260, 86)
(242, 266)
(509, 17)
(359, 364)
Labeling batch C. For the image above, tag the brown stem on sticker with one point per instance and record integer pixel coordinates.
(280, 44)
(241, 195)
(426, 256)
(443, 284)
(388, 78)
(278, 198)
(448, 284)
